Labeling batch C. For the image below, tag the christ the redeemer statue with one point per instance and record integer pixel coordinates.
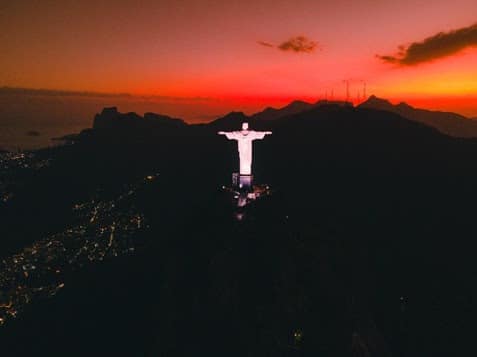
(245, 138)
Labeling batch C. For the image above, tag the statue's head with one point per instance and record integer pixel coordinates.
(244, 126)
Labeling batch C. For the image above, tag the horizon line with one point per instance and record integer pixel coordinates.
(54, 92)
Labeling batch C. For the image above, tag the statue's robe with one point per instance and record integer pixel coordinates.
(244, 139)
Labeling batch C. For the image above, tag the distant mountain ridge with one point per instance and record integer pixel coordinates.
(230, 121)
(111, 117)
(446, 122)
(294, 107)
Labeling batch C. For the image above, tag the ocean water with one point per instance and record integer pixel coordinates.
(25, 136)
(30, 122)
(52, 114)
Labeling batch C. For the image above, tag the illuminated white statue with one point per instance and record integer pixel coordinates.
(245, 138)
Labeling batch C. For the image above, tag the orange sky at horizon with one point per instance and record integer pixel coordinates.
(211, 49)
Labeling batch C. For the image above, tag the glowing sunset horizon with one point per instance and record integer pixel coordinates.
(247, 56)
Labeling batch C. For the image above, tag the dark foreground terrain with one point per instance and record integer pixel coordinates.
(365, 248)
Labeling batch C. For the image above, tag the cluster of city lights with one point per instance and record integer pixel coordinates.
(102, 229)
(14, 167)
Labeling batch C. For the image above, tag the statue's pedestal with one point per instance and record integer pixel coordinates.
(244, 192)
(242, 182)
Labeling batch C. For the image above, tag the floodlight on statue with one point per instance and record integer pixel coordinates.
(244, 139)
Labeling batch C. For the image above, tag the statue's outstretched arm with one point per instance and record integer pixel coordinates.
(259, 135)
(229, 135)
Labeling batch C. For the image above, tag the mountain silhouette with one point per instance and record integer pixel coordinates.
(370, 210)
(233, 120)
(230, 121)
(294, 107)
(446, 122)
(111, 117)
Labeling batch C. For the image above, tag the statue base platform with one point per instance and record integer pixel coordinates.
(242, 182)
(242, 197)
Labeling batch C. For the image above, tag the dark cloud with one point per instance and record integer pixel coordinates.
(57, 93)
(438, 46)
(266, 44)
(299, 44)
(69, 93)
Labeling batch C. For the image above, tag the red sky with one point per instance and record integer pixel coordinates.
(210, 49)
